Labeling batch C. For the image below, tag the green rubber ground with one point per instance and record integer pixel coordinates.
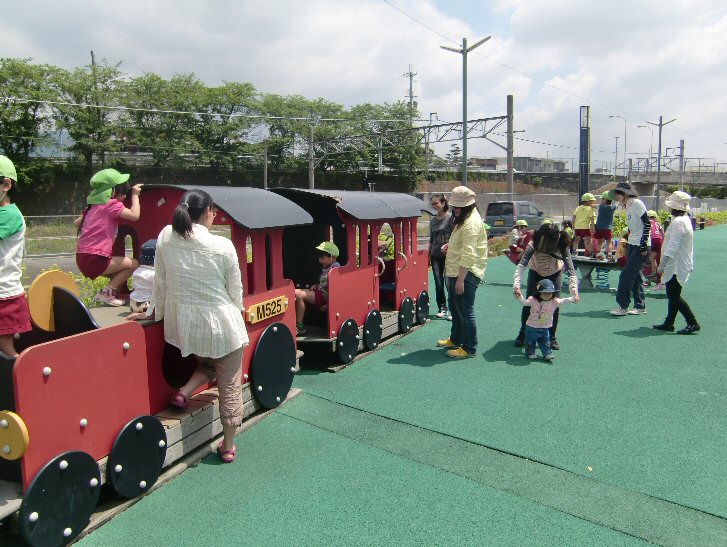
(621, 440)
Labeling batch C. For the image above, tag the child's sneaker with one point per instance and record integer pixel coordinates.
(659, 287)
(442, 314)
(531, 356)
(107, 296)
(300, 329)
(549, 357)
(637, 311)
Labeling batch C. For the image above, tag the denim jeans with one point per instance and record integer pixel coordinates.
(537, 336)
(438, 274)
(462, 308)
(630, 282)
(532, 287)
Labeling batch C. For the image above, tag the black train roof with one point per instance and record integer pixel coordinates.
(367, 205)
(252, 208)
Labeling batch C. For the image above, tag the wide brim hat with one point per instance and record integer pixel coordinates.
(7, 169)
(461, 197)
(545, 285)
(103, 184)
(328, 247)
(679, 200)
(626, 188)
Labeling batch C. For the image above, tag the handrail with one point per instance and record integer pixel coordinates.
(406, 261)
(383, 266)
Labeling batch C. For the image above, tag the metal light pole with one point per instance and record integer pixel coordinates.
(651, 143)
(464, 50)
(625, 150)
(615, 161)
(661, 124)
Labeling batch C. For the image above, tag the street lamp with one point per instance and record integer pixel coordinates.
(625, 153)
(464, 50)
(651, 142)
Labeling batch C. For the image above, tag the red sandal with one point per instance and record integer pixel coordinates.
(227, 456)
(180, 400)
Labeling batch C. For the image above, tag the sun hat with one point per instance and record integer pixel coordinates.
(626, 188)
(102, 184)
(651, 213)
(588, 197)
(679, 200)
(328, 247)
(7, 169)
(521, 222)
(461, 197)
(609, 195)
(545, 285)
(148, 250)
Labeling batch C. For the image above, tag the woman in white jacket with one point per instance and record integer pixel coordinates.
(677, 262)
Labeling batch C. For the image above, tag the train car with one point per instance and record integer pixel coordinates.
(86, 401)
(371, 296)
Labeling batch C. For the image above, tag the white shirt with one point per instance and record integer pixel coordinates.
(634, 211)
(142, 281)
(11, 257)
(198, 293)
(679, 247)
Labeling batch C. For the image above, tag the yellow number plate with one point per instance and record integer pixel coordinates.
(265, 310)
(499, 222)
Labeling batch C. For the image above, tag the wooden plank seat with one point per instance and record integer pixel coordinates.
(586, 265)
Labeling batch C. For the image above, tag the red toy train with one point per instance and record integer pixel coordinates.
(85, 403)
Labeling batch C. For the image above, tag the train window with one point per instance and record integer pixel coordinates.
(386, 243)
(371, 251)
(357, 229)
(268, 263)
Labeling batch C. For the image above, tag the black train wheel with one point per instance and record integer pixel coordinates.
(273, 365)
(406, 315)
(422, 307)
(347, 341)
(60, 500)
(372, 330)
(137, 456)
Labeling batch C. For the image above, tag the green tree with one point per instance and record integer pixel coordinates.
(85, 92)
(160, 120)
(23, 123)
(454, 156)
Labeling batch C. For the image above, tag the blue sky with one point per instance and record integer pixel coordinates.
(637, 59)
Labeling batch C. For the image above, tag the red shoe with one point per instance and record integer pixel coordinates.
(180, 400)
(227, 456)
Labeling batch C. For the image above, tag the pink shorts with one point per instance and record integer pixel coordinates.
(91, 265)
(583, 232)
(602, 234)
(14, 315)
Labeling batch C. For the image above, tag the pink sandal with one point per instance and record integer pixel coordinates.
(227, 456)
(180, 400)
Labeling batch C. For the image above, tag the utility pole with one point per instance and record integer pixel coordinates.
(311, 163)
(681, 165)
(98, 110)
(464, 50)
(615, 161)
(661, 124)
(411, 95)
(510, 146)
(265, 167)
(584, 149)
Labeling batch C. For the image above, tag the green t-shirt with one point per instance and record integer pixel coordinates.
(11, 221)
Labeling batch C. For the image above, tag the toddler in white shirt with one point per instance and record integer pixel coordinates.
(142, 280)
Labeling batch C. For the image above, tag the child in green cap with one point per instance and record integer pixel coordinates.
(14, 314)
(97, 228)
(316, 294)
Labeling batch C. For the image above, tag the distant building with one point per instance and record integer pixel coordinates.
(527, 164)
(489, 164)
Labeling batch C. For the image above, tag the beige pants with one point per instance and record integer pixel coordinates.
(228, 372)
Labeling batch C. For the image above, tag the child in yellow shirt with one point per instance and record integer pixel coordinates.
(584, 222)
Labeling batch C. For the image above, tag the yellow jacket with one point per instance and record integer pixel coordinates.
(467, 247)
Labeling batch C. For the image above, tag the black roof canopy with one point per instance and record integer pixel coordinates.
(366, 205)
(252, 208)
